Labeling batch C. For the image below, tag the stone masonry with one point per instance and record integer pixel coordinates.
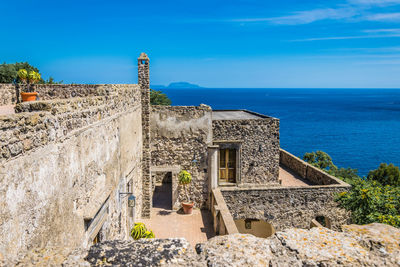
(287, 207)
(179, 137)
(144, 83)
(259, 152)
(64, 161)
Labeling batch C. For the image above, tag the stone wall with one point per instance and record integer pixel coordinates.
(287, 207)
(179, 137)
(307, 171)
(8, 95)
(259, 149)
(62, 166)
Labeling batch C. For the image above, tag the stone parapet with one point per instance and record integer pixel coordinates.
(307, 171)
(286, 207)
(222, 218)
(10, 93)
(39, 123)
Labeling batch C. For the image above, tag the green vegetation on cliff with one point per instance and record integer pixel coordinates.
(375, 198)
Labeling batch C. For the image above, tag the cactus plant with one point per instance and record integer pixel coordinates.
(139, 231)
(23, 75)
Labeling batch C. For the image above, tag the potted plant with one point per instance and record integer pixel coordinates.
(185, 178)
(28, 79)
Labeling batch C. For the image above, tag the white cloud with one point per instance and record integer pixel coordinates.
(384, 17)
(359, 10)
(395, 35)
(305, 17)
(382, 31)
(375, 2)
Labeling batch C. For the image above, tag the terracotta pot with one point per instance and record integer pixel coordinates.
(28, 96)
(187, 207)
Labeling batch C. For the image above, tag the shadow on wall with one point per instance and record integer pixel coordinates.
(259, 228)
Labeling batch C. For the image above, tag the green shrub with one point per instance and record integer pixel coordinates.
(369, 202)
(372, 199)
(159, 98)
(386, 175)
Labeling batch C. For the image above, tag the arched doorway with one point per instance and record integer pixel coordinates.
(259, 228)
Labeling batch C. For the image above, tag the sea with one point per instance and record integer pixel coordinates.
(358, 128)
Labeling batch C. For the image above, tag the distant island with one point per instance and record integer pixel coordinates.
(176, 85)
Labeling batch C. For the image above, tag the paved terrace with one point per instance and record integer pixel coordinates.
(166, 223)
(290, 178)
(6, 110)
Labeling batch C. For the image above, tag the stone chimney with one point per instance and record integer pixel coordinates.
(144, 71)
(144, 83)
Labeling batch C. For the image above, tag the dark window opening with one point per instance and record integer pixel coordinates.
(325, 222)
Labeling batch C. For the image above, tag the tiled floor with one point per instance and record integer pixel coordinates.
(165, 223)
(289, 178)
(5, 110)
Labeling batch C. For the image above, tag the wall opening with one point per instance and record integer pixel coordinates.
(324, 221)
(162, 195)
(227, 165)
(259, 228)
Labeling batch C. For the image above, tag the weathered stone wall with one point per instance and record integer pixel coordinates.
(259, 152)
(307, 171)
(62, 162)
(287, 207)
(8, 95)
(179, 137)
(10, 92)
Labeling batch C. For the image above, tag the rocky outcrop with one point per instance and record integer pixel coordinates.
(357, 245)
(372, 245)
(144, 252)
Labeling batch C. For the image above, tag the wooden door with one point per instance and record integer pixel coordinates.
(227, 165)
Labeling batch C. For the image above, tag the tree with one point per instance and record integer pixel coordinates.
(323, 161)
(159, 98)
(386, 175)
(9, 73)
(320, 159)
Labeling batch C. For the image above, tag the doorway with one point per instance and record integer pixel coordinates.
(162, 195)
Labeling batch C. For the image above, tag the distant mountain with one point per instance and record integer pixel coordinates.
(185, 85)
(176, 85)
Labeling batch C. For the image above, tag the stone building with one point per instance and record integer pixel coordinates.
(70, 161)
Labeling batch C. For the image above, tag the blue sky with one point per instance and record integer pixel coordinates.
(235, 43)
